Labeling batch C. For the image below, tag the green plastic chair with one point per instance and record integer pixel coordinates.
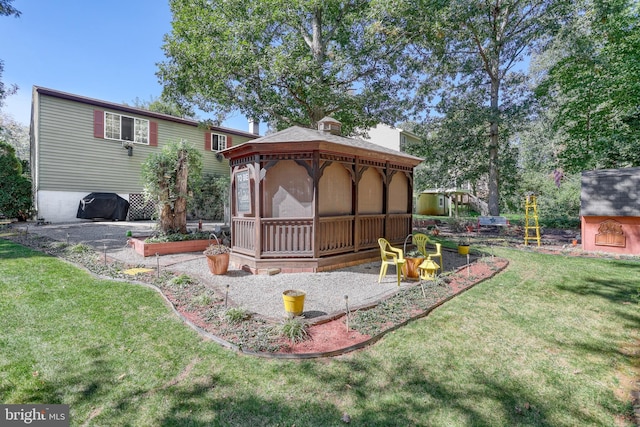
(390, 256)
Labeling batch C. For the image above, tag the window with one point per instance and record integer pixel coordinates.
(218, 142)
(126, 128)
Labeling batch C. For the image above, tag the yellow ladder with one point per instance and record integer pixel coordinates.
(531, 221)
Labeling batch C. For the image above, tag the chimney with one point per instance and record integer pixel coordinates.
(329, 125)
(254, 127)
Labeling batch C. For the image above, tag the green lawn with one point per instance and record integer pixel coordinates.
(552, 341)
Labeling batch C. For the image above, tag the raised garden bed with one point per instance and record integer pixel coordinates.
(164, 248)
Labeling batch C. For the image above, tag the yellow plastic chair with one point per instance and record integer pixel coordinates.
(390, 256)
(421, 240)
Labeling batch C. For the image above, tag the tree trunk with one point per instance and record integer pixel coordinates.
(173, 216)
(494, 144)
(166, 219)
(180, 205)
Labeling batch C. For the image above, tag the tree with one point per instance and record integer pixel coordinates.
(15, 188)
(165, 106)
(285, 62)
(16, 135)
(210, 201)
(6, 10)
(593, 83)
(469, 51)
(170, 177)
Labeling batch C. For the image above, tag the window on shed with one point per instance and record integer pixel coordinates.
(126, 128)
(218, 142)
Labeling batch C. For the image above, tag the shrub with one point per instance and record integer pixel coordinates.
(209, 203)
(15, 188)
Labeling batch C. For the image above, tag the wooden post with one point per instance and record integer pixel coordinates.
(257, 177)
(354, 200)
(385, 198)
(315, 168)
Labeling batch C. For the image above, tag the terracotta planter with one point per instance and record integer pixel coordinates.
(410, 267)
(218, 264)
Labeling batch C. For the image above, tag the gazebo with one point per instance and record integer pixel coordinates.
(312, 200)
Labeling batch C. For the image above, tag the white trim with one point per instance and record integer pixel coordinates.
(135, 126)
(220, 136)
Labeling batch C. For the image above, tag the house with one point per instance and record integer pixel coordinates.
(391, 137)
(308, 200)
(81, 145)
(610, 210)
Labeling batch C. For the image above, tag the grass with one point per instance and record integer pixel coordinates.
(552, 341)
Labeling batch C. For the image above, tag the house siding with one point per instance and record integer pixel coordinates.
(69, 158)
(390, 137)
(72, 159)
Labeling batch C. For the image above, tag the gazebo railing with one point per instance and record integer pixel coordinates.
(293, 237)
(371, 229)
(243, 233)
(336, 234)
(287, 237)
(397, 226)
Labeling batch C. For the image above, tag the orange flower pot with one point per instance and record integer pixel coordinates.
(218, 264)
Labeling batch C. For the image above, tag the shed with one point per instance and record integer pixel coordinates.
(610, 210)
(312, 200)
(432, 202)
(442, 202)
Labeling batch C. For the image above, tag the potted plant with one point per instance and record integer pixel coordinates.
(293, 302)
(217, 257)
(463, 247)
(413, 259)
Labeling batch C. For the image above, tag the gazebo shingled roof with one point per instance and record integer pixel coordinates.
(298, 135)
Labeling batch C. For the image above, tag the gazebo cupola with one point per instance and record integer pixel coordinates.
(312, 200)
(330, 125)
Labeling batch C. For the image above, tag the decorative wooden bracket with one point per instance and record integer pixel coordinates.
(610, 234)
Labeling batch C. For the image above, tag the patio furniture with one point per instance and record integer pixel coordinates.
(421, 240)
(390, 256)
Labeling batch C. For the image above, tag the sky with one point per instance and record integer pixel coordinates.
(106, 50)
